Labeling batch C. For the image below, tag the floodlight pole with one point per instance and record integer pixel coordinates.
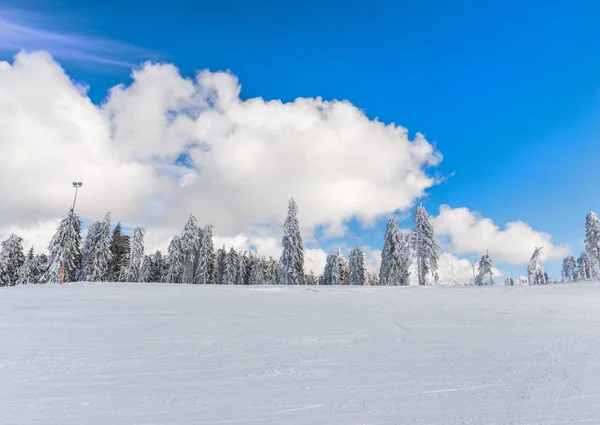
(76, 185)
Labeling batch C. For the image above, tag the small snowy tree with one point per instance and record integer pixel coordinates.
(358, 267)
(509, 281)
(65, 250)
(424, 246)
(132, 271)
(312, 279)
(11, 260)
(452, 280)
(592, 243)
(535, 271)
(395, 257)
(157, 267)
(569, 269)
(292, 256)
(174, 261)
(28, 273)
(485, 274)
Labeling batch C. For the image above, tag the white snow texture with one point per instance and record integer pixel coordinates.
(98, 353)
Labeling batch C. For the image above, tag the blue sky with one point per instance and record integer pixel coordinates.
(507, 90)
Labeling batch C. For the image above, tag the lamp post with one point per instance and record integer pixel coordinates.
(76, 185)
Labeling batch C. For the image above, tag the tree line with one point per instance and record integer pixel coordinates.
(107, 255)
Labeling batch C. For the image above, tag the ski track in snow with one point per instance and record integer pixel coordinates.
(98, 354)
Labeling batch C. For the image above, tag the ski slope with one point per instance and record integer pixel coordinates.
(180, 354)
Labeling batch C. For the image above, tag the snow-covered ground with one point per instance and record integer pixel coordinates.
(179, 354)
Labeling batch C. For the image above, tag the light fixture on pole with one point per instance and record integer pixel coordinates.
(76, 185)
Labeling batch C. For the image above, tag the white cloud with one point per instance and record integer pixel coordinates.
(37, 235)
(250, 155)
(467, 232)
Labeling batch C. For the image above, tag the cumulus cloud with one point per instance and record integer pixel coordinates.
(462, 270)
(37, 234)
(467, 232)
(245, 157)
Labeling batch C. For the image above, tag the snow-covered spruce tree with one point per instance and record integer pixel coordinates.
(256, 276)
(395, 257)
(119, 247)
(535, 270)
(292, 257)
(372, 278)
(241, 269)
(174, 261)
(27, 273)
(584, 267)
(358, 267)
(90, 243)
(592, 243)
(569, 269)
(334, 265)
(65, 250)
(247, 266)
(41, 262)
(424, 246)
(221, 266)
(11, 260)
(191, 238)
(509, 281)
(132, 271)
(232, 267)
(205, 271)
(98, 266)
(146, 270)
(157, 267)
(485, 275)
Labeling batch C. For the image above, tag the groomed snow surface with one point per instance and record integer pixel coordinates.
(185, 354)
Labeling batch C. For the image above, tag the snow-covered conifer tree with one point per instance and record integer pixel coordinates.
(132, 271)
(174, 261)
(157, 267)
(98, 265)
(28, 272)
(191, 239)
(569, 269)
(222, 266)
(332, 275)
(395, 257)
(452, 280)
(509, 281)
(119, 248)
(146, 270)
(232, 267)
(535, 270)
(90, 243)
(205, 271)
(256, 276)
(65, 250)
(358, 267)
(424, 246)
(584, 267)
(592, 243)
(292, 257)
(485, 274)
(11, 260)
(240, 278)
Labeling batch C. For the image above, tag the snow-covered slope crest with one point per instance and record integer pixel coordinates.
(99, 354)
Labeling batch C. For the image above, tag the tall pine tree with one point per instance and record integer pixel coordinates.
(65, 250)
(485, 275)
(292, 257)
(191, 239)
(592, 243)
(358, 267)
(535, 270)
(569, 269)
(174, 261)
(131, 270)
(424, 246)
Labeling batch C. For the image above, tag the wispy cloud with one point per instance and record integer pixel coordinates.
(21, 30)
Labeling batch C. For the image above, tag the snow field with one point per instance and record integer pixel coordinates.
(193, 354)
